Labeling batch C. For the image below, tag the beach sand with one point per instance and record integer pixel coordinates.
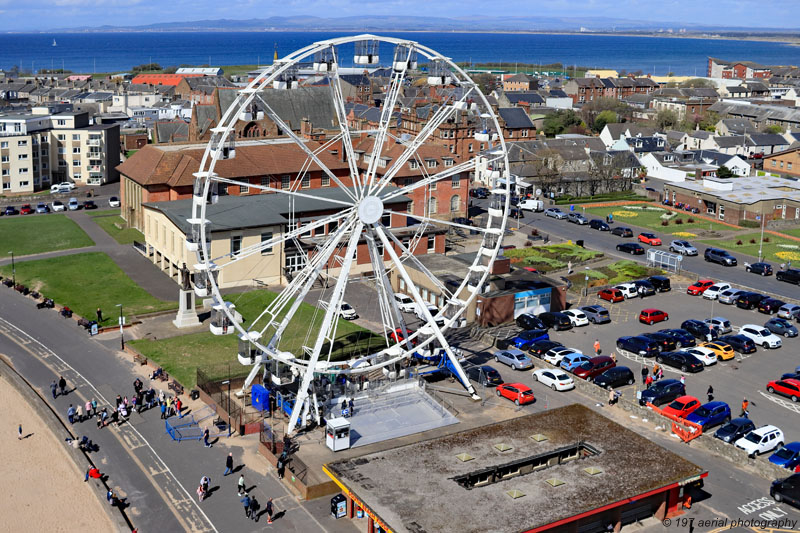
(43, 489)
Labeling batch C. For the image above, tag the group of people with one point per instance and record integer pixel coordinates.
(648, 378)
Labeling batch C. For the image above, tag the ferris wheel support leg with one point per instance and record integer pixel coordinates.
(250, 377)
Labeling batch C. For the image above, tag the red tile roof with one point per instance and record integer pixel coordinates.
(162, 79)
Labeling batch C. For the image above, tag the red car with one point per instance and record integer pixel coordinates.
(682, 406)
(785, 387)
(612, 295)
(516, 392)
(26, 209)
(651, 316)
(699, 286)
(594, 367)
(649, 238)
(397, 335)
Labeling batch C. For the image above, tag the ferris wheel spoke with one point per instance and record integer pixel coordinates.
(441, 114)
(392, 318)
(406, 253)
(341, 114)
(466, 166)
(328, 325)
(487, 231)
(284, 191)
(431, 323)
(288, 131)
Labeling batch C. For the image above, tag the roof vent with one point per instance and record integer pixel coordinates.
(514, 494)
(503, 447)
(553, 482)
(464, 457)
(592, 471)
(538, 437)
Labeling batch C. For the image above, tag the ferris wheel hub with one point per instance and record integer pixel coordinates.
(370, 209)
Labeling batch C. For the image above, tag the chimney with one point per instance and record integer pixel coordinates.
(305, 128)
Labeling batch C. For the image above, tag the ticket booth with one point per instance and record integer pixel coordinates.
(337, 434)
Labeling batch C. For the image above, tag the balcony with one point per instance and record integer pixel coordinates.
(95, 168)
(94, 142)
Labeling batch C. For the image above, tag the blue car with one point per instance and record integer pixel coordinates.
(572, 361)
(525, 339)
(683, 339)
(710, 414)
(787, 456)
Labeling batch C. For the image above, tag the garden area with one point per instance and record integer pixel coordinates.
(182, 355)
(115, 225)
(85, 282)
(33, 234)
(550, 257)
(613, 196)
(657, 218)
(613, 274)
(775, 249)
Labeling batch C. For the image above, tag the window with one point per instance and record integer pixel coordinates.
(306, 182)
(62, 150)
(455, 203)
(332, 226)
(23, 170)
(6, 185)
(76, 149)
(382, 162)
(292, 226)
(244, 189)
(325, 181)
(431, 244)
(413, 165)
(386, 220)
(774, 162)
(286, 181)
(431, 163)
(449, 162)
(266, 237)
(410, 207)
(469, 147)
(455, 183)
(45, 152)
(294, 261)
(4, 159)
(265, 181)
(22, 143)
(5, 172)
(4, 144)
(76, 136)
(788, 166)
(61, 122)
(432, 207)
(524, 133)
(76, 162)
(62, 137)
(236, 244)
(432, 186)
(22, 156)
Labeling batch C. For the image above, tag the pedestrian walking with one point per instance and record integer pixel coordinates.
(281, 465)
(99, 315)
(254, 505)
(344, 405)
(352, 409)
(169, 407)
(270, 509)
(88, 409)
(745, 406)
(71, 414)
(597, 346)
(645, 372)
(163, 411)
(205, 438)
(54, 389)
(569, 267)
(610, 396)
(94, 405)
(683, 380)
(119, 401)
(179, 407)
(62, 384)
(648, 381)
(614, 357)
(287, 443)
(710, 393)
(79, 413)
(228, 464)
(19, 432)
(205, 481)
(246, 502)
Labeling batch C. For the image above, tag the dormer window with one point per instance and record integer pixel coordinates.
(413, 165)
(431, 163)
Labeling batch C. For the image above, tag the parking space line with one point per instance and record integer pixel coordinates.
(783, 403)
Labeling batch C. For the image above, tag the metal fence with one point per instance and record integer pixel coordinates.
(664, 260)
(221, 383)
(191, 427)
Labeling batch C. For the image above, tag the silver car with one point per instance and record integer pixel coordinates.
(789, 311)
(682, 247)
(577, 218)
(597, 314)
(729, 296)
(514, 358)
(555, 213)
(719, 323)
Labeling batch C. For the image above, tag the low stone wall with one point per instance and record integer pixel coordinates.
(293, 479)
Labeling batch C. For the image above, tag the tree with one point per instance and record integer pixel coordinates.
(666, 119)
(486, 82)
(146, 67)
(773, 129)
(559, 121)
(725, 172)
(697, 83)
(603, 118)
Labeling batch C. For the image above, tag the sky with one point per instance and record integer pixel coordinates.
(43, 15)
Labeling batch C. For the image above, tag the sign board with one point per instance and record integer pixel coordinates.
(93, 331)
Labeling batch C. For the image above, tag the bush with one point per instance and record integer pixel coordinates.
(528, 244)
(739, 242)
(665, 222)
(690, 220)
(752, 241)
(766, 239)
(749, 224)
(679, 221)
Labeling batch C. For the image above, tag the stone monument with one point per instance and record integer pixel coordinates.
(187, 315)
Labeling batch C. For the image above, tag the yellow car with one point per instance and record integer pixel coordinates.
(722, 350)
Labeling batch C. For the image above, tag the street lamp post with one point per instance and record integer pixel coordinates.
(13, 269)
(228, 382)
(121, 330)
(761, 239)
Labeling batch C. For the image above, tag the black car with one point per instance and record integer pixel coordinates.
(515, 212)
(786, 490)
(638, 345)
(485, 375)
(615, 377)
(539, 348)
(666, 343)
(770, 306)
(735, 429)
(10, 210)
(598, 224)
(683, 339)
(662, 391)
(89, 204)
(644, 287)
(661, 283)
(739, 343)
(699, 329)
(530, 321)
(790, 375)
(791, 275)
(685, 361)
(765, 269)
(557, 321)
(722, 257)
(620, 231)
(633, 248)
(479, 192)
(749, 300)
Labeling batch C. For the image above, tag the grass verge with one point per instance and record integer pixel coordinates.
(651, 218)
(612, 274)
(33, 234)
(550, 257)
(118, 228)
(774, 248)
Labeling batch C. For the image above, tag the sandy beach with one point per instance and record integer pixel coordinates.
(44, 489)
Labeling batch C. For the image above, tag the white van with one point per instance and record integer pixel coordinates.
(531, 205)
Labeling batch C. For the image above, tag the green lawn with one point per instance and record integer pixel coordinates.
(181, 356)
(85, 282)
(651, 218)
(776, 249)
(104, 212)
(792, 232)
(118, 228)
(550, 257)
(33, 234)
(612, 274)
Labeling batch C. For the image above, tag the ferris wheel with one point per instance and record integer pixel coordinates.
(364, 215)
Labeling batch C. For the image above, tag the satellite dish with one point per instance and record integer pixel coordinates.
(538, 192)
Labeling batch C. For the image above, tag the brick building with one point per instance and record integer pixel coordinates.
(719, 68)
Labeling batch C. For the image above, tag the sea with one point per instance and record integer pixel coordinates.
(119, 52)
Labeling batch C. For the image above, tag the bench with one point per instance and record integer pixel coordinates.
(139, 358)
(177, 387)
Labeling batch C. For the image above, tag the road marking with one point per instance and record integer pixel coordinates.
(783, 403)
(645, 361)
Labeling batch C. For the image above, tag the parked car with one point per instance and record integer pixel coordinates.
(397, 336)
(89, 204)
(615, 377)
(628, 290)
(514, 358)
(113, 202)
(530, 321)
(789, 311)
(790, 388)
(599, 225)
(611, 295)
(761, 336)
(42, 208)
(749, 300)
(682, 337)
(738, 343)
(524, 339)
(699, 329)
(555, 379)
(530, 204)
(682, 247)
(632, 248)
(577, 218)
(711, 414)
(713, 292)
(594, 367)
(662, 391)
(649, 238)
(73, 204)
(555, 320)
(518, 393)
(735, 429)
(644, 287)
(686, 362)
(347, 312)
(719, 324)
(484, 375)
(787, 457)
(780, 326)
(652, 316)
(405, 303)
(699, 287)
(729, 296)
(62, 187)
(433, 310)
(10, 210)
(540, 348)
(786, 490)
(666, 343)
(661, 283)
(58, 205)
(682, 407)
(621, 231)
(26, 209)
(791, 275)
(557, 353)
(722, 257)
(479, 192)
(765, 269)
(573, 360)
(577, 317)
(555, 213)
(761, 440)
(706, 353)
(638, 345)
(597, 314)
(770, 306)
